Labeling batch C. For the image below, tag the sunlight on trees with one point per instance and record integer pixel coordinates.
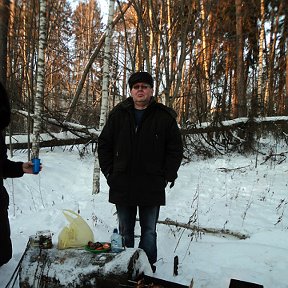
(211, 60)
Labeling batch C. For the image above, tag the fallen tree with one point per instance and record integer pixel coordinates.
(243, 123)
(74, 134)
(198, 229)
(237, 132)
(51, 143)
(55, 268)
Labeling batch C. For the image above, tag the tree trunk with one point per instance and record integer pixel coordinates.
(39, 97)
(182, 54)
(75, 268)
(240, 92)
(90, 62)
(269, 88)
(207, 89)
(286, 82)
(144, 48)
(4, 19)
(259, 103)
(105, 92)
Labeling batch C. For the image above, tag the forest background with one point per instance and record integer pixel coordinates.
(222, 65)
(212, 61)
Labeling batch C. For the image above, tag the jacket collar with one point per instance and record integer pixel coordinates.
(128, 103)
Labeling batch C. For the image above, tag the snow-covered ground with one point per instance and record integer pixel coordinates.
(245, 195)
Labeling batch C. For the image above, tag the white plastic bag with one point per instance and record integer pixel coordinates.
(77, 234)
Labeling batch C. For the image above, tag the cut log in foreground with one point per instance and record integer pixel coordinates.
(55, 268)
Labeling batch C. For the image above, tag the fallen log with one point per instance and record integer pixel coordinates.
(50, 143)
(221, 232)
(77, 268)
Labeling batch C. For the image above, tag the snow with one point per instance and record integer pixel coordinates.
(71, 265)
(241, 194)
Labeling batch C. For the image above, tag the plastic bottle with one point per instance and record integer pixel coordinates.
(116, 242)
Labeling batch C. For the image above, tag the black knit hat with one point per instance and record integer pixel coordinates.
(4, 108)
(137, 77)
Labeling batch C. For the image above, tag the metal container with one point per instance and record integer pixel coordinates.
(45, 239)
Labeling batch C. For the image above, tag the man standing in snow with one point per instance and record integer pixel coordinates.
(140, 151)
(7, 169)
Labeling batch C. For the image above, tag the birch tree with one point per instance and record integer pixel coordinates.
(90, 62)
(39, 98)
(105, 92)
(260, 57)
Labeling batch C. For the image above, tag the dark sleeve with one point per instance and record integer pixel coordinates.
(5, 111)
(174, 152)
(10, 169)
(105, 148)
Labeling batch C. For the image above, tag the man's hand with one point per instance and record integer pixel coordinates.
(28, 167)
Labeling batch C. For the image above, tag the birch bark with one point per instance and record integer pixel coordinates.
(91, 61)
(105, 93)
(260, 59)
(39, 98)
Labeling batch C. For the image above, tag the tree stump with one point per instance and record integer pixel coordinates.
(53, 268)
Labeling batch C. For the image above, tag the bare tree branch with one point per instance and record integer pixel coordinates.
(90, 62)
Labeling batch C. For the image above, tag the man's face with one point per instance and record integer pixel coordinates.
(141, 93)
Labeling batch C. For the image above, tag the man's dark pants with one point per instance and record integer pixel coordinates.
(5, 241)
(148, 217)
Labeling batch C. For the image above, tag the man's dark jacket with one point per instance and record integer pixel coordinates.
(139, 163)
(7, 169)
